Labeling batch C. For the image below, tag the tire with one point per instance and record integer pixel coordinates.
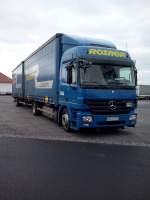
(65, 120)
(34, 109)
(18, 103)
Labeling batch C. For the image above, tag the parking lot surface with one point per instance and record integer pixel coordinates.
(19, 122)
(43, 169)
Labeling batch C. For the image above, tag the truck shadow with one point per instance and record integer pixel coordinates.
(103, 132)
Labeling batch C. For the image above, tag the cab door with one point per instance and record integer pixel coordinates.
(68, 90)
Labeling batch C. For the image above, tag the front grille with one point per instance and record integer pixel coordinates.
(102, 107)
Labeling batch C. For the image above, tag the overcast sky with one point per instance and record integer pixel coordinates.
(26, 24)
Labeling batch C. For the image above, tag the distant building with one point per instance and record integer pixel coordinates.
(5, 84)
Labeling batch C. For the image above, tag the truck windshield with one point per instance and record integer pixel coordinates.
(97, 75)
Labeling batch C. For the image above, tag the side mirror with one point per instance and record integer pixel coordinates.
(69, 76)
(135, 72)
(84, 64)
(69, 73)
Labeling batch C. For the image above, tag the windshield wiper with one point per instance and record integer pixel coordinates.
(118, 82)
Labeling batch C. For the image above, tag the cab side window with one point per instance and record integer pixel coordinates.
(74, 75)
(69, 75)
(64, 74)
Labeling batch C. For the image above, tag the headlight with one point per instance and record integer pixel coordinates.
(129, 104)
(87, 119)
(132, 117)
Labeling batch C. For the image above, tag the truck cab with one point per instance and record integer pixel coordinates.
(97, 88)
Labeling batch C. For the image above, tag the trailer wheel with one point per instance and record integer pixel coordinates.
(34, 109)
(18, 103)
(65, 120)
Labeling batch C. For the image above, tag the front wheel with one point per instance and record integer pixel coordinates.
(35, 109)
(65, 120)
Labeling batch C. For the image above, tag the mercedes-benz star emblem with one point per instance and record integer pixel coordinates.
(112, 105)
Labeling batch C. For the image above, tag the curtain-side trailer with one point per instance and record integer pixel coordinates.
(143, 92)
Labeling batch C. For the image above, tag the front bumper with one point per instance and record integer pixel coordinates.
(102, 120)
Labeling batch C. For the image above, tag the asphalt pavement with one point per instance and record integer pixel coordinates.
(19, 122)
(33, 169)
(38, 160)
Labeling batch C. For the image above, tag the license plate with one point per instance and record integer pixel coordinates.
(112, 119)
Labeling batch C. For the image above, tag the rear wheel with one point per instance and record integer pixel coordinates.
(65, 120)
(18, 103)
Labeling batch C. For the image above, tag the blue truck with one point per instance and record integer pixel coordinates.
(78, 82)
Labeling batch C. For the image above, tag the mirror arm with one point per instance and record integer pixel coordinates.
(135, 72)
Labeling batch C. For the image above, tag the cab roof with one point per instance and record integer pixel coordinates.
(96, 53)
(86, 41)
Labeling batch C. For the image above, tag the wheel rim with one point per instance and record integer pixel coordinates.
(65, 120)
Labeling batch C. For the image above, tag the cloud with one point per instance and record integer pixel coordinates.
(24, 25)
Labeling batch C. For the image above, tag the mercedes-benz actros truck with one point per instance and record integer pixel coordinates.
(79, 82)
